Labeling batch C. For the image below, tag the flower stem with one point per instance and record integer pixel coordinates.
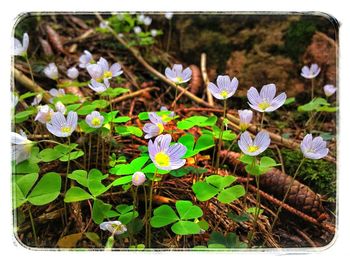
(66, 181)
(286, 194)
(257, 210)
(150, 210)
(262, 121)
(220, 137)
(312, 88)
(33, 227)
(229, 148)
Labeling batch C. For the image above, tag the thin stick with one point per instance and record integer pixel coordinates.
(33, 227)
(205, 78)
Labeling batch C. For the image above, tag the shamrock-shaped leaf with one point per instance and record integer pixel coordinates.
(218, 185)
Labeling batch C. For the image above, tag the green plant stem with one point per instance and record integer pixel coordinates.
(89, 160)
(111, 127)
(146, 214)
(134, 197)
(220, 137)
(33, 227)
(286, 194)
(229, 148)
(97, 149)
(312, 88)
(150, 210)
(66, 181)
(30, 68)
(262, 121)
(257, 210)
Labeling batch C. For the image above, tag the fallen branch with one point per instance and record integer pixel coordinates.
(30, 85)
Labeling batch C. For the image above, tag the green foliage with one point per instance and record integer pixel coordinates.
(114, 92)
(92, 181)
(204, 142)
(66, 99)
(218, 185)
(183, 220)
(45, 190)
(128, 130)
(61, 152)
(24, 115)
(227, 135)
(317, 104)
(124, 213)
(136, 165)
(231, 240)
(186, 170)
(200, 121)
(256, 167)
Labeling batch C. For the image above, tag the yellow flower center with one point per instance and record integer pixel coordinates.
(65, 129)
(162, 159)
(107, 75)
(244, 126)
(161, 128)
(224, 94)
(179, 80)
(96, 121)
(117, 227)
(264, 105)
(28, 146)
(253, 148)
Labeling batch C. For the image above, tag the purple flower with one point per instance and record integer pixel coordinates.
(141, 18)
(253, 148)
(225, 87)
(137, 30)
(310, 73)
(165, 114)
(103, 24)
(154, 128)
(57, 92)
(245, 117)
(101, 71)
(72, 73)
(115, 227)
(62, 127)
(51, 71)
(98, 86)
(94, 119)
(166, 156)
(177, 75)
(85, 59)
(20, 49)
(313, 148)
(37, 99)
(329, 90)
(60, 107)
(44, 114)
(154, 32)
(265, 101)
(138, 178)
(169, 15)
(147, 20)
(21, 146)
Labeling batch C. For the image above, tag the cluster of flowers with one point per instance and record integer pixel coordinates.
(164, 154)
(312, 72)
